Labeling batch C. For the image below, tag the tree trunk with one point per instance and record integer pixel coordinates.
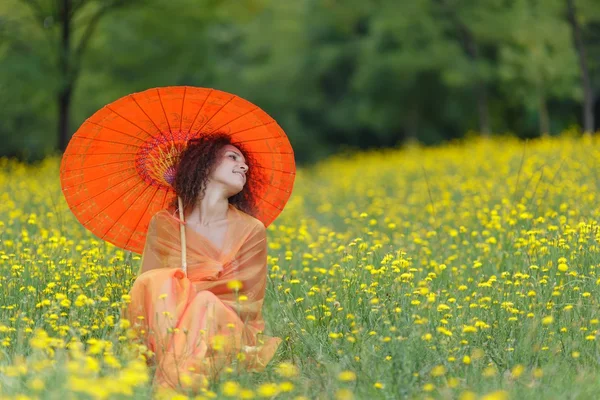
(412, 126)
(482, 110)
(66, 77)
(480, 90)
(469, 45)
(64, 112)
(544, 119)
(586, 82)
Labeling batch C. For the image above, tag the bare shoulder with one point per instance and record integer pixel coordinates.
(251, 221)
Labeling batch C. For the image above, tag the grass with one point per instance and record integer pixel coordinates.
(466, 271)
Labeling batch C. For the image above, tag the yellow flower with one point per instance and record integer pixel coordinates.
(547, 320)
(498, 395)
(36, 384)
(444, 331)
(286, 386)
(234, 285)
(517, 370)
(438, 370)
(287, 370)
(467, 396)
(218, 342)
(428, 387)
(231, 389)
(344, 394)
(346, 376)
(268, 390)
(563, 267)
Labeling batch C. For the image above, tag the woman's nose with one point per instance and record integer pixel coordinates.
(244, 167)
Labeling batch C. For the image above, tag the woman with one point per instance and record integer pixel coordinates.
(197, 325)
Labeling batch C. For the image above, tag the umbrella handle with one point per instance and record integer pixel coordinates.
(182, 234)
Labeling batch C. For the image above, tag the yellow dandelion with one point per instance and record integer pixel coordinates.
(268, 390)
(347, 376)
(344, 394)
(547, 320)
(231, 388)
(234, 285)
(438, 370)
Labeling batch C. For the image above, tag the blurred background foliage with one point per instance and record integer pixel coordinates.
(334, 73)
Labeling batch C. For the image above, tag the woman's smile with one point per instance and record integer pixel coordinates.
(242, 175)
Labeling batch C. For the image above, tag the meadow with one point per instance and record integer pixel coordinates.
(465, 271)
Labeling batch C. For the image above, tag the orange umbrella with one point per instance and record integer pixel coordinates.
(116, 170)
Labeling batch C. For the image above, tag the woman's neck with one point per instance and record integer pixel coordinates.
(212, 208)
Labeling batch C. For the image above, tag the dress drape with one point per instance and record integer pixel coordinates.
(197, 325)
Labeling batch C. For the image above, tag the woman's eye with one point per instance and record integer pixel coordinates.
(231, 155)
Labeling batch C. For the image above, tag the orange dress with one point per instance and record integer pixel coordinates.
(197, 325)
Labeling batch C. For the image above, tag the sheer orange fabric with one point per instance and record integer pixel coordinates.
(202, 325)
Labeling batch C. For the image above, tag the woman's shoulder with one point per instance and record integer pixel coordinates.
(170, 217)
(163, 218)
(249, 220)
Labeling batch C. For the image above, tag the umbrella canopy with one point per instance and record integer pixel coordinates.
(117, 169)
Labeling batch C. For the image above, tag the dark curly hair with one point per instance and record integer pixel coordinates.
(198, 160)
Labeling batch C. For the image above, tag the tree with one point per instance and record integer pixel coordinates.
(589, 93)
(69, 26)
(469, 23)
(537, 61)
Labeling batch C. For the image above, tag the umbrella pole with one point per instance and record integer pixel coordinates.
(182, 234)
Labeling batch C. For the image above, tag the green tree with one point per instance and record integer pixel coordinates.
(537, 61)
(67, 27)
(584, 18)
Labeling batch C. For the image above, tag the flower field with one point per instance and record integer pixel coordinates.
(467, 271)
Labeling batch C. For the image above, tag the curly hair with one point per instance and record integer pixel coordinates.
(195, 165)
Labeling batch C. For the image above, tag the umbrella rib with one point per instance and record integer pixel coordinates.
(91, 166)
(105, 190)
(100, 177)
(273, 169)
(132, 123)
(200, 109)
(99, 154)
(142, 216)
(165, 113)
(107, 141)
(145, 113)
(110, 204)
(127, 209)
(268, 202)
(252, 127)
(254, 140)
(216, 112)
(272, 152)
(277, 187)
(182, 104)
(114, 130)
(236, 118)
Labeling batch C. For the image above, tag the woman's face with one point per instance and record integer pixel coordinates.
(231, 169)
